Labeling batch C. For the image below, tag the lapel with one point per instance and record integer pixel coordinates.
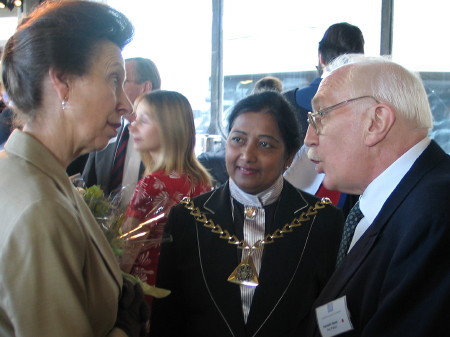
(104, 163)
(218, 259)
(34, 152)
(280, 261)
(430, 158)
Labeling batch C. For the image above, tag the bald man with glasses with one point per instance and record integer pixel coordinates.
(368, 133)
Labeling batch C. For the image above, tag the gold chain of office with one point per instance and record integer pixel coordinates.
(269, 238)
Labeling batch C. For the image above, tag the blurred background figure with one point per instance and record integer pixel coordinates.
(119, 164)
(64, 71)
(164, 135)
(6, 125)
(6, 122)
(214, 162)
(245, 259)
(268, 83)
(340, 38)
(6, 116)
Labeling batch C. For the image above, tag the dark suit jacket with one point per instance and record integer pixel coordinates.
(196, 264)
(6, 124)
(77, 165)
(214, 162)
(397, 276)
(97, 170)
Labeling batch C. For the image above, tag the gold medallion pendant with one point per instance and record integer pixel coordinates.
(250, 212)
(245, 273)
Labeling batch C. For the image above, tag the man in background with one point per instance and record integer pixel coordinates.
(118, 166)
(369, 135)
(340, 38)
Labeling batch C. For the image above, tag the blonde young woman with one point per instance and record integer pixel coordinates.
(164, 134)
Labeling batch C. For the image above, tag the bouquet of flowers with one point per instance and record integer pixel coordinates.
(125, 245)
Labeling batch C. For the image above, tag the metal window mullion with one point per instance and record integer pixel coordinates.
(387, 25)
(216, 68)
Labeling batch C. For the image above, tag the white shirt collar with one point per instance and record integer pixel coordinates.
(261, 199)
(376, 194)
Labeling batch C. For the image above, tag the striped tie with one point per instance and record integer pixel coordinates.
(119, 160)
(351, 222)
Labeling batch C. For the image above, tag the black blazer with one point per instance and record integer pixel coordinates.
(397, 276)
(196, 264)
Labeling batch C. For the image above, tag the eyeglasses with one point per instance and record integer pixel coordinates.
(314, 118)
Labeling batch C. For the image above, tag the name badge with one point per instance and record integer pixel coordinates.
(333, 318)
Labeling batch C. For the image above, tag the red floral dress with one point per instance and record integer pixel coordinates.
(155, 194)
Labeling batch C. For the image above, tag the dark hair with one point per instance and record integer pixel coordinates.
(146, 71)
(275, 104)
(61, 35)
(341, 38)
(268, 83)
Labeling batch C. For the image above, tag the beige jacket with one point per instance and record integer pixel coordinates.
(58, 275)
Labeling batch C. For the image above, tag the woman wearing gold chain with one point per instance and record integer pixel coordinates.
(249, 258)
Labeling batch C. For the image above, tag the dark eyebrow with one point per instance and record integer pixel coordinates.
(259, 136)
(238, 131)
(269, 136)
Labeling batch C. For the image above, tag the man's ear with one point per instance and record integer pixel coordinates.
(382, 118)
(148, 86)
(60, 82)
(321, 60)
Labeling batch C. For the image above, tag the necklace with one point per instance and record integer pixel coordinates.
(245, 273)
(250, 212)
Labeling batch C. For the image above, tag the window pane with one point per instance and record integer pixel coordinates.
(263, 37)
(176, 35)
(420, 44)
(7, 28)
